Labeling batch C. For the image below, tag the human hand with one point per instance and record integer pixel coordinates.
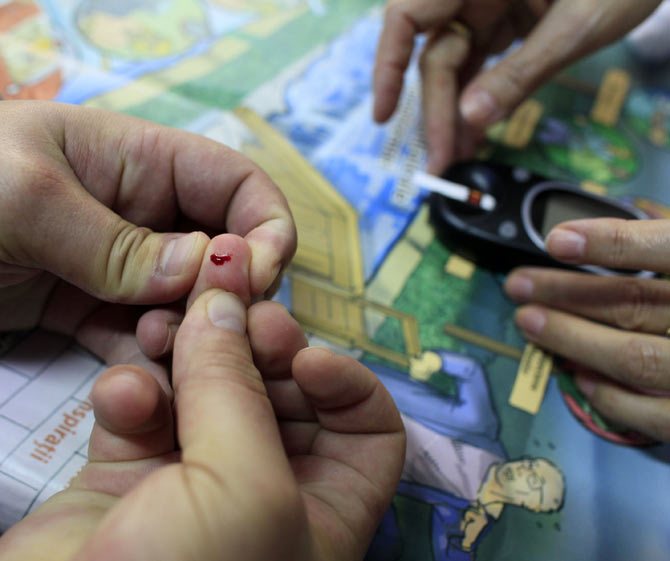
(616, 326)
(81, 191)
(300, 463)
(459, 99)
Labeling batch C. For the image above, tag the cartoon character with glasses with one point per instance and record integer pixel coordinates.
(457, 478)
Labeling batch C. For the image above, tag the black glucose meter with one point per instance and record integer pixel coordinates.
(498, 216)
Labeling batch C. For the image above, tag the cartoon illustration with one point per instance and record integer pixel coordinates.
(140, 30)
(483, 479)
(260, 6)
(457, 478)
(593, 151)
(30, 64)
(648, 113)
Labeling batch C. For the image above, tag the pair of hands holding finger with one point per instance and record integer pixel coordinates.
(460, 99)
(282, 451)
(616, 326)
(100, 207)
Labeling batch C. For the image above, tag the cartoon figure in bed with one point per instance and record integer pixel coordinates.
(457, 479)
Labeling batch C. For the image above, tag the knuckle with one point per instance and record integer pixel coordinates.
(127, 249)
(396, 10)
(620, 241)
(515, 78)
(238, 371)
(632, 312)
(220, 366)
(641, 362)
(432, 57)
(443, 53)
(146, 143)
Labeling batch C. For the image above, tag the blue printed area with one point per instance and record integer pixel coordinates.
(328, 117)
(468, 417)
(330, 89)
(89, 72)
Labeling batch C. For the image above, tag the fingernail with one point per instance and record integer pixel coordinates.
(531, 321)
(566, 245)
(586, 385)
(479, 107)
(227, 311)
(519, 287)
(176, 253)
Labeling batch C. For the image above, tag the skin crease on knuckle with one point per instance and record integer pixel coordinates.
(632, 311)
(154, 207)
(127, 243)
(621, 241)
(641, 363)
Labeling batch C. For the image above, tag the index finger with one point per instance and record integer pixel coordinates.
(150, 174)
(612, 242)
(404, 20)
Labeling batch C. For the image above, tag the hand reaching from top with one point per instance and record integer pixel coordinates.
(460, 98)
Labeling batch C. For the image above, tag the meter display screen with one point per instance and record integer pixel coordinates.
(561, 206)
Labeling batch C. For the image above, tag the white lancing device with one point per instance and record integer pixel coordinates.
(455, 191)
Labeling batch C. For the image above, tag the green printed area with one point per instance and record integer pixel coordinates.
(535, 536)
(145, 31)
(597, 153)
(170, 110)
(390, 336)
(568, 145)
(226, 86)
(415, 525)
(643, 127)
(587, 151)
(434, 298)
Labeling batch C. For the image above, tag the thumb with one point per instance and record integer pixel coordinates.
(569, 31)
(234, 482)
(220, 394)
(77, 238)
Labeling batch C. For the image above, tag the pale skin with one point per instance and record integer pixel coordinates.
(614, 326)
(99, 207)
(283, 451)
(460, 99)
(474, 521)
(532, 479)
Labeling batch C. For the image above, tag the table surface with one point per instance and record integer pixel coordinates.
(288, 83)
